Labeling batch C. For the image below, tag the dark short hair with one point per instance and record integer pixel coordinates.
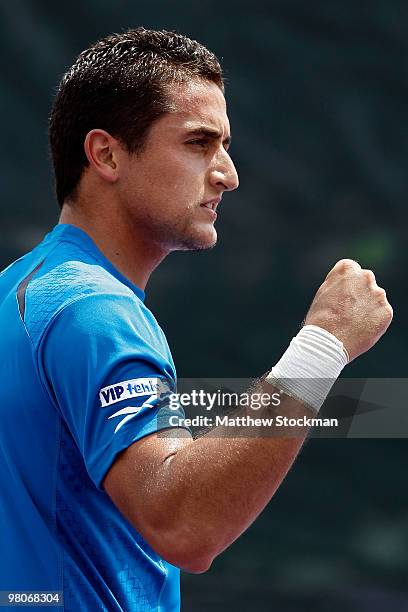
(119, 85)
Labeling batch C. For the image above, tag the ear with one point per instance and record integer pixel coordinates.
(101, 151)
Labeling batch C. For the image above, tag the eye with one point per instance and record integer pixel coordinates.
(200, 142)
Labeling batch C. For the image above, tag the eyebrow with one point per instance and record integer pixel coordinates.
(208, 132)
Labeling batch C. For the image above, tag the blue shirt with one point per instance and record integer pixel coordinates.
(83, 374)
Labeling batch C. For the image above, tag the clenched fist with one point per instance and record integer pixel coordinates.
(351, 306)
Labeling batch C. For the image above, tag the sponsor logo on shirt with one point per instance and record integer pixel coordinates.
(129, 413)
(129, 389)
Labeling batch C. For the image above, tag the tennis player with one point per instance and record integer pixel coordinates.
(97, 506)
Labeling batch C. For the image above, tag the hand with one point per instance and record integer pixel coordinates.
(350, 305)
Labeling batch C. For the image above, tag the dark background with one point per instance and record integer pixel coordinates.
(317, 95)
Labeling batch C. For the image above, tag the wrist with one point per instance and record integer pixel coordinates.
(310, 366)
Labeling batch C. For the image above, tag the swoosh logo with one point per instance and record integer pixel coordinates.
(131, 412)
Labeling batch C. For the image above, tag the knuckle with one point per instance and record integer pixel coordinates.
(387, 314)
(369, 276)
(380, 292)
(389, 311)
(347, 264)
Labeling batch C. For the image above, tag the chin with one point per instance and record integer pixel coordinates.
(199, 241)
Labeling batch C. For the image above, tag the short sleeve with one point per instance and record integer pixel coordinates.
(108, 368)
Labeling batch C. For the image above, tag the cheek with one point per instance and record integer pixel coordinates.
(179, 164)
(169, 180)
(178, 186)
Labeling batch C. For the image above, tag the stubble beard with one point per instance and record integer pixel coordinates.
(193, 242)
(182, 236)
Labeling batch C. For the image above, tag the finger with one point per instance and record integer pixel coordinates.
(370, 278)
(344, 266)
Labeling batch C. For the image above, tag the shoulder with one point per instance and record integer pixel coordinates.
(70, 277)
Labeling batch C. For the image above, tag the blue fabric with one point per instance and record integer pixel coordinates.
(83, 374)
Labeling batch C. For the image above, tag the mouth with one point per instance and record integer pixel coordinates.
(211, 204)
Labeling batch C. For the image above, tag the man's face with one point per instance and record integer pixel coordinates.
(171, 189)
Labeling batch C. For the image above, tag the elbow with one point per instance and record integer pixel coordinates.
(197, 567)
(193, 562)
(189, 555)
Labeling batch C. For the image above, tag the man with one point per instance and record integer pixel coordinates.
(96, 502)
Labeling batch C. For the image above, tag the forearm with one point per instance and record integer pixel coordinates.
(213, 488)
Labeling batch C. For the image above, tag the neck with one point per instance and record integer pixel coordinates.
(133, 255)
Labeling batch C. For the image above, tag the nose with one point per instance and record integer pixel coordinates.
(223, 174)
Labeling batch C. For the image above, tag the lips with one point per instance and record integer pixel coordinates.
(212, 204)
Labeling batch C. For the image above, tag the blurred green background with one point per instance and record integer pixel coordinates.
(317, 95)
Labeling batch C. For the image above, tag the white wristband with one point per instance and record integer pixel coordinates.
(310, 366)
